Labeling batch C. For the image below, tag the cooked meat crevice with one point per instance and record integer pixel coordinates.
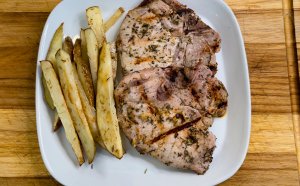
(175, 130)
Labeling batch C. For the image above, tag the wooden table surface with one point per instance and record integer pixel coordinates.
(269, 33)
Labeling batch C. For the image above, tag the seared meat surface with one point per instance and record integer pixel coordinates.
(168, 97)
(190, 148)
(155, 104)
(155, 101)
(164, 33)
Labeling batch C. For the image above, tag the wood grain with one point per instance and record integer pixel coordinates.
(270, 133)
(28, 5)
(262, 24)
(268, 78)
(250, 5)
(17, 76)
(28, 182)
(19, 150)
(297, 26)
(293, 69)
(258, 26)
(261, 169)
(21, 29)
(271, 158)
(295, 90)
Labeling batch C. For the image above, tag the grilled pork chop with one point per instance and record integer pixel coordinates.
(168, 97)
(156, 101)
(155, 104)
(162, 33)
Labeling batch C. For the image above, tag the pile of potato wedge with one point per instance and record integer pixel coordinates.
(78, 81)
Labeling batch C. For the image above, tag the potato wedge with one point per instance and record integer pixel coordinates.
(106, 111)
(68, 47)
(114, 60)
(113, 19)
(84, 73)
(56, 122)
(83, 46)
(67, 80)
(93, 53)
(63, 112)
(95, 21)
(89, 111)
(47, 94)
(55, 45)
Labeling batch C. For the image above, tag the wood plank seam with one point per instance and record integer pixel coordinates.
(293, 70)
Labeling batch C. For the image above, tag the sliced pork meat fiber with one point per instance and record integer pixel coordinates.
(168, 96)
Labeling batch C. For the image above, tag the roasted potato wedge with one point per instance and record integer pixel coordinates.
(84, 72)
(62, 109)
(47, 94)
(67, 80)
(93, 53)
(56, 43)
(56, 122)
(106, 111)
(83, 46)
(113, 19)
(95, 21)
(68, 47)
(89, 111)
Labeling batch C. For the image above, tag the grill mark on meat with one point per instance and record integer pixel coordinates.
(175, 130)
(143, 60)
(152, 110)
(148, 18)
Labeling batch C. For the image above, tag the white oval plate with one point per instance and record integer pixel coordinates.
(232, 131)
